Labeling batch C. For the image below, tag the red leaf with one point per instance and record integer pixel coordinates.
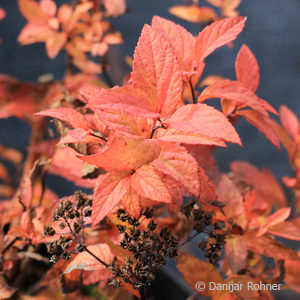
(267, 246)
(236, 252)
(286, 230)
(205, 121)
(124, 99)
(178, 136)
(68, 115)
(146, 182)
(84, 261)
(131, 202)
(176, 162)
(125, 153)
(80, 135)
(156, 71)
(194, 270)
(55, 43)
(108, 193)
(235, 91)
(125, 122)
(262, 124)
(48, 7)
(115, 7)
(26, 192)
(247, 69)
(216, 35)
(278, 217)
(270, 192)
(229, 194)
(181, 40)
(34, 33)
(31, 10)
(65, 163)
(194, 13)
(292, 274)
(289, 121)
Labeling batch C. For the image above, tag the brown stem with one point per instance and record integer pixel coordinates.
(10, 245)
(192, 91)
(38, 128)
(189, 239)
(84, 246)
(105, 73)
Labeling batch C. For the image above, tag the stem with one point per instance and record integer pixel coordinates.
(192, 91)
(10, 244)
(38, 128)
(96, 257)
(189, 239)
(84, 246)
(104, 72)
(153, 130)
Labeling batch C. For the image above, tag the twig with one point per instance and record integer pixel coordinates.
(84, 246)
(189, 239)
(192, 91)
(105, 73)
(10, 244)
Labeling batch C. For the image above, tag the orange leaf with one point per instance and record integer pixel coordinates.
(286, 230)
(262, 124)
(48, 7)
(176, 162)
(108, 193)
(180, 39)
(55, 43)
(65, 163)
(80, 135)
(125, 122)
(84, 261)
(125, 153)
(216, 35)
(236, 252)
(203, 120)
(278, 217)
(178, 136)
(115, 7)
(156, 71)
(87, 66)
(229, 194)
(32, 11)
(229, 8)
(270, 192)
(68, 115)
(2, 13)
(268, 246)
(147, 183)
(247, 69)
(292, 274)
(284, 137)
(235, 91)
(131, 202)
(34, 33)
(289, 121)
(123, 99)
(194, 13)
(194, 270)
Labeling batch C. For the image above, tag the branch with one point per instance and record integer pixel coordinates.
(84, 246)
(192, 91)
